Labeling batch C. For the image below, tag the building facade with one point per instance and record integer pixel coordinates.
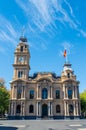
(43, 95)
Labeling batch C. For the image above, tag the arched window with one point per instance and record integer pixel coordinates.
(69, 93)
(70, 108)
(31, 94)
(31, 109)
(68, 75)
(57, 94)
(44, 93)
(18, 109)
(21, 49)
(58, 109)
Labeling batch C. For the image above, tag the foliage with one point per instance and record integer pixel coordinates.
(83, 101)
(4, 99)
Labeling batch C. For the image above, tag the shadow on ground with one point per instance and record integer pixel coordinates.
(8, 128)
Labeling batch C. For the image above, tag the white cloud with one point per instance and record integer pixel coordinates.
(44, 13)
(7, 31)
(82, 32)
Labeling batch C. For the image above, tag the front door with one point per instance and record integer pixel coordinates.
(44, 111)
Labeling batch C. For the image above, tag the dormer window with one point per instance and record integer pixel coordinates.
(21, 49)
(68, 75)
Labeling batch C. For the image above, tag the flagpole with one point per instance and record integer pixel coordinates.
(66, 58)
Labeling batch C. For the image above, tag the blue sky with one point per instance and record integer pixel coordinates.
(50, 27)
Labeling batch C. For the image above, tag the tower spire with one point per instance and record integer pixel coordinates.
(22, 37)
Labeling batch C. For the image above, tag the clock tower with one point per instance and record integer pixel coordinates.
(21, 60)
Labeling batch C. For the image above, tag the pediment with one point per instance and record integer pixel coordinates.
(18, 80)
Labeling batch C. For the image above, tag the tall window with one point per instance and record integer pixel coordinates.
(68, 75)
(44, 93)
(21, 49)
(58, 109)
(70, 108)
(69, 93)
(18, 109)
(31, 94)
(57, 94)
(19, 91)
(31, 109)
(20, 74)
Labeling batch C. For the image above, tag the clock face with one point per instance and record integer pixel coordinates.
(21, 59)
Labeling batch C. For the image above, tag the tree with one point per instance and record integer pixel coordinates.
(83, 102)
(4, 98)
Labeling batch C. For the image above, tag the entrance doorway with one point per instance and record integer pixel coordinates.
(44, 111)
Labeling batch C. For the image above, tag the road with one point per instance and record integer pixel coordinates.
(42, 124)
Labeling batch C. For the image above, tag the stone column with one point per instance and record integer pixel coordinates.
(48, 92)
(23, 106)
(73, 91)
(51, 110)
(77, 109)
(64, 90)
(37, 92)
(40, 91)
(15, 60)
(12, 91)
(48, 108)
(51, 92)
(74, 109)
(76, 91)
(65, 108)
(24, 91)
(39, 105)
(37, 109)
(16, 92)
(21, 109)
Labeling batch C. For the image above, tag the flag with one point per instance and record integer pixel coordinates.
(65, 53)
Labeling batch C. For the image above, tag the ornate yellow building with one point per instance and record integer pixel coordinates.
(43, 95)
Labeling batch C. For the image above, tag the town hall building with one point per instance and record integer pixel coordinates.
(43, 95)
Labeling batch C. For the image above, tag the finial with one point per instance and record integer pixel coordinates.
(23, 38)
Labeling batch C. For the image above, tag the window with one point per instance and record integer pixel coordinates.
(68, 75)
(58, 109)
(31, 94)
(57, 94)
(19, 91)
(25, 46)
(21, 49)
(70, 94)
(20, 74)
(44, 93)
(31, 109)
(70, 108)
(18, 109)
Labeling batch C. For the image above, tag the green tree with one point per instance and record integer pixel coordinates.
(4, 99)
(83, 102)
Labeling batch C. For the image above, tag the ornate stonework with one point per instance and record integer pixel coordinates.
(43, 95)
